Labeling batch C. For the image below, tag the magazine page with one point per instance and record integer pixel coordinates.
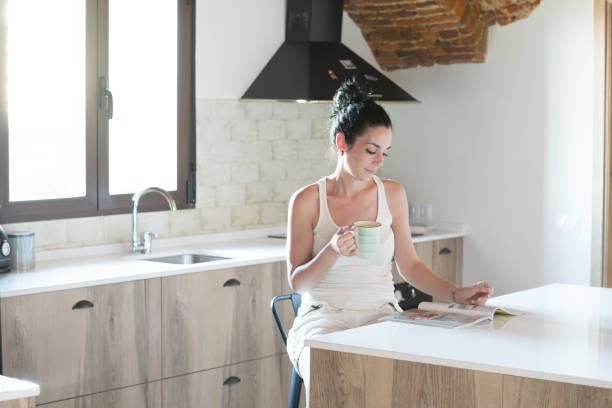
(435, 319)
(468, 310)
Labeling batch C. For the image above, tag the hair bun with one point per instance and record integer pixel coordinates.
(353, 111)
(350, 92)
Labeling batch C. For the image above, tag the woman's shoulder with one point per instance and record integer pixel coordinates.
(393, 188)
(395, 194)
(304, 205)
(306, 195)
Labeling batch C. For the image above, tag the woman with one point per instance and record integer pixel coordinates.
(339, 289)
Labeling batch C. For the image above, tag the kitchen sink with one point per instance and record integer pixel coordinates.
(186, 259)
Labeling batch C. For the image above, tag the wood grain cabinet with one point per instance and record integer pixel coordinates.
(206, 338)
(140, 396)
(214, 318)
(444, 257)
(81, 341)
(448, 259)
(252, 384)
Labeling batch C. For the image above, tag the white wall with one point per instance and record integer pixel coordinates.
(234, 41)
(505, 146)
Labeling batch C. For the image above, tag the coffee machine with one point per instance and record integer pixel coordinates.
(5, 252)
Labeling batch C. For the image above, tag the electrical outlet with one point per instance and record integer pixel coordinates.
(413, 211)
(422, 211)
(428, 213)
(420, 214)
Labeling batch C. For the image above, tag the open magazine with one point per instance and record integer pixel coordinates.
(450, 315)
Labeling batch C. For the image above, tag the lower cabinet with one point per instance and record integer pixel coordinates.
(444, 257)
(82, 341)
(140, 396)
(448, 259)
(214, 318)
(203, 339)
(258, 383)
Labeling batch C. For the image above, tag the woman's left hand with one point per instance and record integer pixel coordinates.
(474, 295)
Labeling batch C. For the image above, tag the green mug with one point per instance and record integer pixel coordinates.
(368, 238)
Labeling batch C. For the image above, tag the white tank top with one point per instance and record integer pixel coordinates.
(354, 283)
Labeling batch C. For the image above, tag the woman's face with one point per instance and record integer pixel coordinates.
(368, 153)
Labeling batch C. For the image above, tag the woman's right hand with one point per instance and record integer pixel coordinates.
(343, 242)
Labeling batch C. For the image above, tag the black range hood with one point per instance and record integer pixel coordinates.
(312, 62)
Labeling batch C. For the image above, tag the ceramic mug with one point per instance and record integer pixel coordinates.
(368, 238)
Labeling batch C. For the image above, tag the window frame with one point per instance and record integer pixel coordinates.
(97, 200)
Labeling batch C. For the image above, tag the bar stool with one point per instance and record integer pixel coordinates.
(296, 380)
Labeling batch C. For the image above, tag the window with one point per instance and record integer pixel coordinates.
(99, 104)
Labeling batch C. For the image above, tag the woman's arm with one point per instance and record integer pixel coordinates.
(415, 271)
(306, 271)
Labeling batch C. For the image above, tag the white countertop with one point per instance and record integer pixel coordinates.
(565, 334)
(105, 264)
(441, 231)
(12, 389)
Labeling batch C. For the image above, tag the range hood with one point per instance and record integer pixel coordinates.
(312, 62)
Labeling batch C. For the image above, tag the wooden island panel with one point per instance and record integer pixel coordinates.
(521, 392)
(354, 380)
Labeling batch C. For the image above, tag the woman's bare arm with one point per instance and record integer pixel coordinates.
(415, 271)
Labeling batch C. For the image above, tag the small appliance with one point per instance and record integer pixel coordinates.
(5, 252)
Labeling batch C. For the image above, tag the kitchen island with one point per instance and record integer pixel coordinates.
(558, 353)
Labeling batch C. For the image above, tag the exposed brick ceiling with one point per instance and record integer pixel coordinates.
(406, 33)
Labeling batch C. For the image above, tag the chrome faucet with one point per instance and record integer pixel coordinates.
(144, 246)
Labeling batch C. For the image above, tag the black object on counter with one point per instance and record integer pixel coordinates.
(409, 296)
(5, 252)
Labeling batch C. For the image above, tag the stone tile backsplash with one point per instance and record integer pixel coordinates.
(251, 157)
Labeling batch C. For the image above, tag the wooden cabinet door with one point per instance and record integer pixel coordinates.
(262, 383)
(214, 318)
(86, 340)
(425, 252)
(140, 396)
(447, 259)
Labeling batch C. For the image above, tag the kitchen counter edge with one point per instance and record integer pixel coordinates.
(108, 264)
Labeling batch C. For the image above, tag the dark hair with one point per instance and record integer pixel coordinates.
(353, 111)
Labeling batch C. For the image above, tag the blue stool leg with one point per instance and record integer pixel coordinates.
(296, 388)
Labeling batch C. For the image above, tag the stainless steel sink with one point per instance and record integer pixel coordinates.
(185, 259)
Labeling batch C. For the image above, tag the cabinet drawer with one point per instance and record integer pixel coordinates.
(140, 396)
(260, 383)
(447, 259)
(215, 318)
(425, 252)
(81, 341)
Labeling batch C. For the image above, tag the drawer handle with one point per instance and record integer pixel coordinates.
(444, 251)
(231, 282)
(82, 304)
(231, 380)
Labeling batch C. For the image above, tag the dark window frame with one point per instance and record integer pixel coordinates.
(97, 200)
